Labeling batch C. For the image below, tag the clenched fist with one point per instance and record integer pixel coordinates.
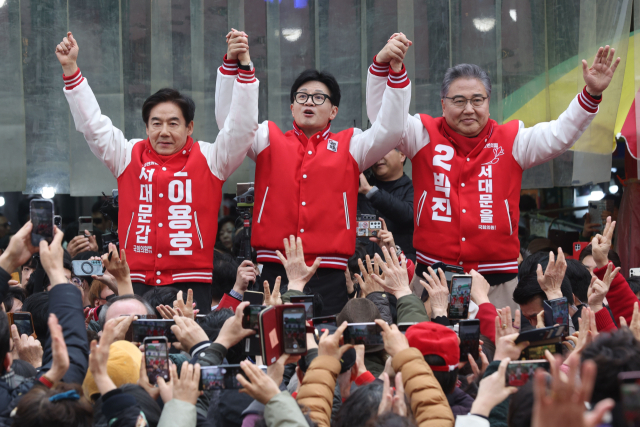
(67, 53)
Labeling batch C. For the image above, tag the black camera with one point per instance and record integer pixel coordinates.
(244, 206)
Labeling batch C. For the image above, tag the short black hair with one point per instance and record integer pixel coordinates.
(186, 104)
(612, 256)
(528, 288)
(97, 206)
(530, 264)
(38, 305)
(613, 353)
(361, 406)
(448, 379)
(5, 340)
(14, 292)
(324, 77)
(579, 279)
(164, 295)
(225, 268)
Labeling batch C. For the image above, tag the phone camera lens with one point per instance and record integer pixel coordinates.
(86, 268)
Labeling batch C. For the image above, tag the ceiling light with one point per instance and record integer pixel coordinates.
(484, 24)
(513, 14)
(291, 34)
(1, 198)
(48, 192)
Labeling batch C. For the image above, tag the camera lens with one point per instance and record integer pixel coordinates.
(86, 268)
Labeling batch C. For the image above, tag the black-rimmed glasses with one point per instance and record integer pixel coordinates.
(317, 98)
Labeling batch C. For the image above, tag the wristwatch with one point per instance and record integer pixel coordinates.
(246, 67)
(398, 251)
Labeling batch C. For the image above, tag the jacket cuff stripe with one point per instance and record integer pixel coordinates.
(73, 80)
(589, 103)
(247, 76)
(399, 79)
(228, 67)
(380, 69)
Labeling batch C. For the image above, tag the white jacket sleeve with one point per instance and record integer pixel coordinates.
(227, 74)
(415, 135)
(239, 130)
(386, 132)
(177, 413)
(545, 141)
(471, 421)
(106, 141)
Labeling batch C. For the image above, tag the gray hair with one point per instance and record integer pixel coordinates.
(102, 316)
(465, 71)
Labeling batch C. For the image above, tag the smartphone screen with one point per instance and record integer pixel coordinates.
(156, 358)
(42, 220)
(469, 339)
(519, 372)
(222, 377)
(23, 322)
(533, 353)
(557, 312)
(85, 223)
(325, 320)
(630, 397)
(459, 297)
(307, 300)
(153, 328)
(251, 317)
(294, 330)
(369, 334)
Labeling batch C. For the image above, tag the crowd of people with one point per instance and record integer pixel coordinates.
(86, 361)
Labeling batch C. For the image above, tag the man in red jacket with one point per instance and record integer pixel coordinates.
(467, 169)
(307, 177)
(170, 186)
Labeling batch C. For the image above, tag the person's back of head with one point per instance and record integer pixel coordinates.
(212, 324)
(446, 379)
(225, 268)
(361, 406)
(36, 408)
(161, 295)
(143, 307)
(613, 353)
(530, 263)
(579, 279)
(38, 305)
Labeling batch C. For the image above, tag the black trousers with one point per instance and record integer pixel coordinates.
(201, 293)
(330, 283)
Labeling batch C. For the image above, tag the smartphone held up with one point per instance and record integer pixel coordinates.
(41, 212)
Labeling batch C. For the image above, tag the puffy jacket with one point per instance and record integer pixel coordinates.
(317, 389)
(428, 402)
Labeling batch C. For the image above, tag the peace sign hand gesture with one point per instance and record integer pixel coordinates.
(599, 75)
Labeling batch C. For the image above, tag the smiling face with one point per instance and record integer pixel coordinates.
(167, 130)
(468, 121)
(309, 117)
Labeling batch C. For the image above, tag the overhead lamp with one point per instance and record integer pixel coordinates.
(484, 24)
(48, 192)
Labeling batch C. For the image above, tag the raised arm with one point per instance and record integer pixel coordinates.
(237, 43)
(386, 131)
(105, 141)
(545, 141)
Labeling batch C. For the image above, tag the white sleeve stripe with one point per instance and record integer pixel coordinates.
(588, 101)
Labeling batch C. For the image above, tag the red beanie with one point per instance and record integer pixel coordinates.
(433, 338)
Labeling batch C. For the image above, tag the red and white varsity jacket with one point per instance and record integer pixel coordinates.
(467, 207)
(309, 187)
(168, 215)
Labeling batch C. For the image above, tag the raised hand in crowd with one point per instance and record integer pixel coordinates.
(276, 371)
(59, 353)
(598, 288)
(122, 325)
(492, 391)
(272, 298)
(635, 322)
(508, 325)
(394, 340)
(599, 75)
(601, 244)
(116, 265)
(551, 280)
(67, 53)
(51, 257)
(394, 51)
(182, 387)
(143, 381)
(245, 276)
(585, 335)
(183, 308)
(20, 249)
(82, 243)
(232, 331)
(385, 238)
(189, 332)
(479, 288)
(393, 399)
(259, 385)
(438, 292)
(26, 348)
(107, 278)
(329, 345)
(99, 357)
(396, 278)
(297, 270)
(367, 284)
(563, 406)
(506, 346)
(478, 371)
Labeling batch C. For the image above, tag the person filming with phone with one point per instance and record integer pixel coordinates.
(170, 186)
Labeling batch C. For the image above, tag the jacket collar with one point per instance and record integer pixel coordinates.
(323, 135)
(184, 152)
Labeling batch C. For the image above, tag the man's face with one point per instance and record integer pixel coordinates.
(309, 116)
(390, 166)
(589, 263)
(127, 306)
(26, 273)
(531, 309)
(468, 120)
(5, 227)
(99, 221)
(167, 129)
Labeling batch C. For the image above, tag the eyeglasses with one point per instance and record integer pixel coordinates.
(317, 98)
(77, 281)
(461, 101)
